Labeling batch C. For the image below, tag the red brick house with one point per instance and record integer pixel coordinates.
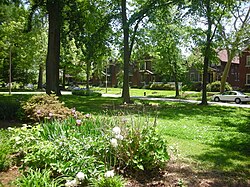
(215, 71)
(234, 72)
(140, 74)
(244, 69)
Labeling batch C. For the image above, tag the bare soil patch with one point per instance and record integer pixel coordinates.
(7, 178)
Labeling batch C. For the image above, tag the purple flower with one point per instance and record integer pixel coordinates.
(78, 122)
(73, 111)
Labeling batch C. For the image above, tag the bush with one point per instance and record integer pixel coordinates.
(45, 107)
(142, 148)
(85, 92)
(9, 109)
(91, 146)
(194, 86)
(215, 86)
(161, 86)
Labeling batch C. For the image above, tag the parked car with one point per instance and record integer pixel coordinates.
(232, 96)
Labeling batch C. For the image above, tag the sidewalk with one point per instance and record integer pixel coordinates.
(181, 100)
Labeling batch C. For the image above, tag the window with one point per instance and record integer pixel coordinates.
(248, 61)
(247, 79)
(192, 77)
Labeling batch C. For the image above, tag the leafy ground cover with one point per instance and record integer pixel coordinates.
(209, 146)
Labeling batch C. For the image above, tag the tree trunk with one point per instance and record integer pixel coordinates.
(40, 77)
(125, 90)
(207, 55)
(226, 70)
(64, 78)
(177, 93)
(53, 55)
(88, 74)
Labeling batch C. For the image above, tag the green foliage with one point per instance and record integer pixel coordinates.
(142, 147)
(215, 86)
(38, 178)
(9, 109)
(45, 107)
(67, 147)
(161, 86)
(6, 150)
(193, 86)
(86, 92)
(115, 181)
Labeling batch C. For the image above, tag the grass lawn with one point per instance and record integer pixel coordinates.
(207, 138)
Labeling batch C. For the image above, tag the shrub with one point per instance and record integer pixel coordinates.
(161, 86)
(41, 107)
(142, 148)
(9, 109)
(195, 86)
(85, 92)
(215, 86)
(91, 146)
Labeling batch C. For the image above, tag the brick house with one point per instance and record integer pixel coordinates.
(140, 74)
(244, 69)
(215, 71)
(234, 72)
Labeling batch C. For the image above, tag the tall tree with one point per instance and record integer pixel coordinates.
(210, 12)
(167, 32)
(53, 9)
(130, 25)
(237, 38)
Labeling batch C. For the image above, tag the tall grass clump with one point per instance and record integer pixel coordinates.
(98, 148)
(5, 150)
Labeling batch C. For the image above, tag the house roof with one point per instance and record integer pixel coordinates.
(222, 54)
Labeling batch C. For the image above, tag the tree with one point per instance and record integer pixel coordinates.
(238, 36)
(167, 33)
(210, 12)
(25, 58)
(130, 25)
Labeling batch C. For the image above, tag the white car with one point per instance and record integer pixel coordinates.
(231, 96)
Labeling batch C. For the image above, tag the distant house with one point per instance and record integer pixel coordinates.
(244, 69)
(215, 71)
(140, 74)
(234, 73)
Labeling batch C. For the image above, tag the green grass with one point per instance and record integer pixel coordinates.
(138, 92)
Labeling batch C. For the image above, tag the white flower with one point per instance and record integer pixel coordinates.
(109, 174)
(50, 114)
(80, 176)
(78, 122)
(116, 130)
(113, 142)
(87, 115)
(119, 137)
(38, 112)
(72, 183)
